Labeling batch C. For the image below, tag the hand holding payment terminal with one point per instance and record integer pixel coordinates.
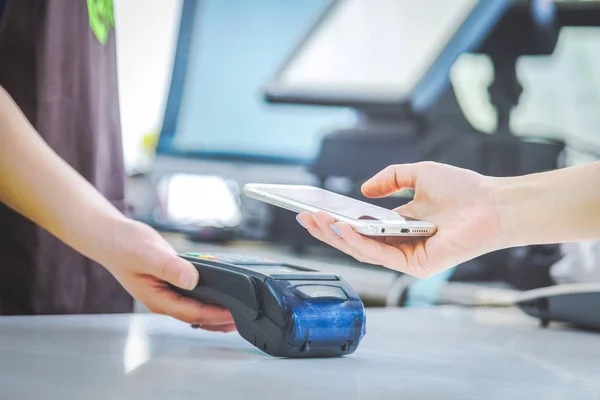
(283, 310)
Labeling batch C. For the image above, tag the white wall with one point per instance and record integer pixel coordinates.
(146, 37)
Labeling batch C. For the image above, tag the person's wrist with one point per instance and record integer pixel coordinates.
(511, 195)
(117, 242)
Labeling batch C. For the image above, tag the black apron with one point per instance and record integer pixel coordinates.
(58, 62)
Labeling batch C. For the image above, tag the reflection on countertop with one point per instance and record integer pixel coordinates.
(427, 353)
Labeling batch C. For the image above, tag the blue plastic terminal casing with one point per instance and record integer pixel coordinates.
(318, 322)
(283, 310)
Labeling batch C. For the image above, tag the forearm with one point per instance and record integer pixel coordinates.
(38, 184)
(552, 207)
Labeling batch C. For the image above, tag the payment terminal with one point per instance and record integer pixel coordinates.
(283, 310)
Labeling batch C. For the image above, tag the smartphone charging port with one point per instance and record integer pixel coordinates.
(404, 230)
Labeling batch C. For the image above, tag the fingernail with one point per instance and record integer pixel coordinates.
(300, 222)
(336, 230)
(187, 279)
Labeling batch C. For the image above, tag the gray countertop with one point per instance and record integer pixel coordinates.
(445, 353)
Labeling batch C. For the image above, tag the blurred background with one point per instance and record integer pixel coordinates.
(219, 93)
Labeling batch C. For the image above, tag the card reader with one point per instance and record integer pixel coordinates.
(283, 310)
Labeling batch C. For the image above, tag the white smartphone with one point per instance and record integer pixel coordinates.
(365, 218)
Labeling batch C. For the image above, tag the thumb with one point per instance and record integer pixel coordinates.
(391, 180)
(174, 270)
(410, 210)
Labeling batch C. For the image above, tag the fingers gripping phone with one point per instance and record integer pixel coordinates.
(365, 218)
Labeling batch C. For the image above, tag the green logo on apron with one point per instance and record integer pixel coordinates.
(102, 18)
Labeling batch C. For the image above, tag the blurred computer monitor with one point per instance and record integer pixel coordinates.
(394, 54)
(226, 51)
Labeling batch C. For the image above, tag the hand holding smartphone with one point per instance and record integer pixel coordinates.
(364, 218)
